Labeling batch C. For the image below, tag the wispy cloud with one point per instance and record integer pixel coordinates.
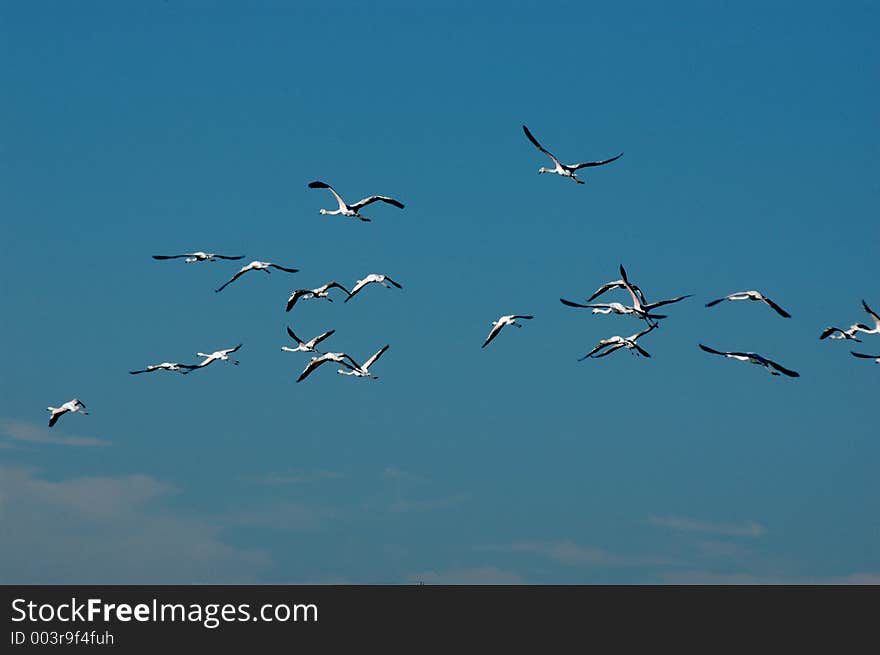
(403, 505)
(564, 552)
(696, 577)
(469, 576)
(23, 431)
(281, 479)
(685, 524)
(391, 473)
(111, 530)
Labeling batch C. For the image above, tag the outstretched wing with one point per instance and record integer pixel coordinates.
(715, 302)
(233, 279)
(571, 303)
(388, 279)
(229, 257)
(660, 303)
(587, 164)
(319, 338)
(863, 355)
(641, 350)
(372, 360)
(493, 332)
(539, 146)
(713, 351)
(286, 270)
(615, 347)
(371, 199)
(317, 184)
(783, 370)
(515, 316)
(357, 287)
(160, 257)
(871, 313)
(311, 366)
(594, 351)
(146, 370)
(777, 308)
(296, 295)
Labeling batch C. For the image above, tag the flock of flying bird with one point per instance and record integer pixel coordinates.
(639, 307)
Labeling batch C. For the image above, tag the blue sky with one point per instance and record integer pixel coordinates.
(751, 149)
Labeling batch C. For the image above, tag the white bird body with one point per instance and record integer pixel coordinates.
(617, 342)
(497, 326)
(166, 366)
(306, 346)
(353, 210)
(74, 405)
(751, 295)
(874, 316)
(199, 256)
(372, 278)
(754, 358)
(322, 291)
(363, 371)
(839, 333)
(315, 362)
(217, 356)
(565, 170)
(256, 266)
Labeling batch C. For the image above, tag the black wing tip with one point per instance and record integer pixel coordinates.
(317, 184)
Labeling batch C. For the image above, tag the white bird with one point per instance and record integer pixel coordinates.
(198, 257)
(754, 358)
(509, 319)
(351, 210)
(751, 295)
(74, 405)
(874, 317)
(372, 277)
(876, 358)
(319, 292)
(305, 346)
(643, 309)
(616, 284)
(363, 371)
(566, 170)
(612, 308)
(617, 342)
(166, 366)
(315, 362)
(217, 355)
(256, 266)
(839, 333)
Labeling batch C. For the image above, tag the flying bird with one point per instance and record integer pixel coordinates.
(315, 362)
(566, 170)
(217, 355)
(306, 346)
(839, 333)
(256, 266)
(74, 405)
(351, 210)
(166, 366)
(617, 342)
(611, 308)
(643, 309)
(197, 257)
(874, 317)
(372, 277)
(876, 358)
(509, 319)
(754, 358)
(320, 292)
(751, 295)
(363, 371)
(616, 284)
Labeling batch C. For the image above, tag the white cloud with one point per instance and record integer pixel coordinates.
(403, 505)
(280, 479)
(110, 530)
(23, 431)
(685, 524)
(564, 552)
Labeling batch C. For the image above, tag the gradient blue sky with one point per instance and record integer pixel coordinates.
(751, 161)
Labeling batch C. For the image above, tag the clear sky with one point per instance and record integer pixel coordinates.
(751, 162)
